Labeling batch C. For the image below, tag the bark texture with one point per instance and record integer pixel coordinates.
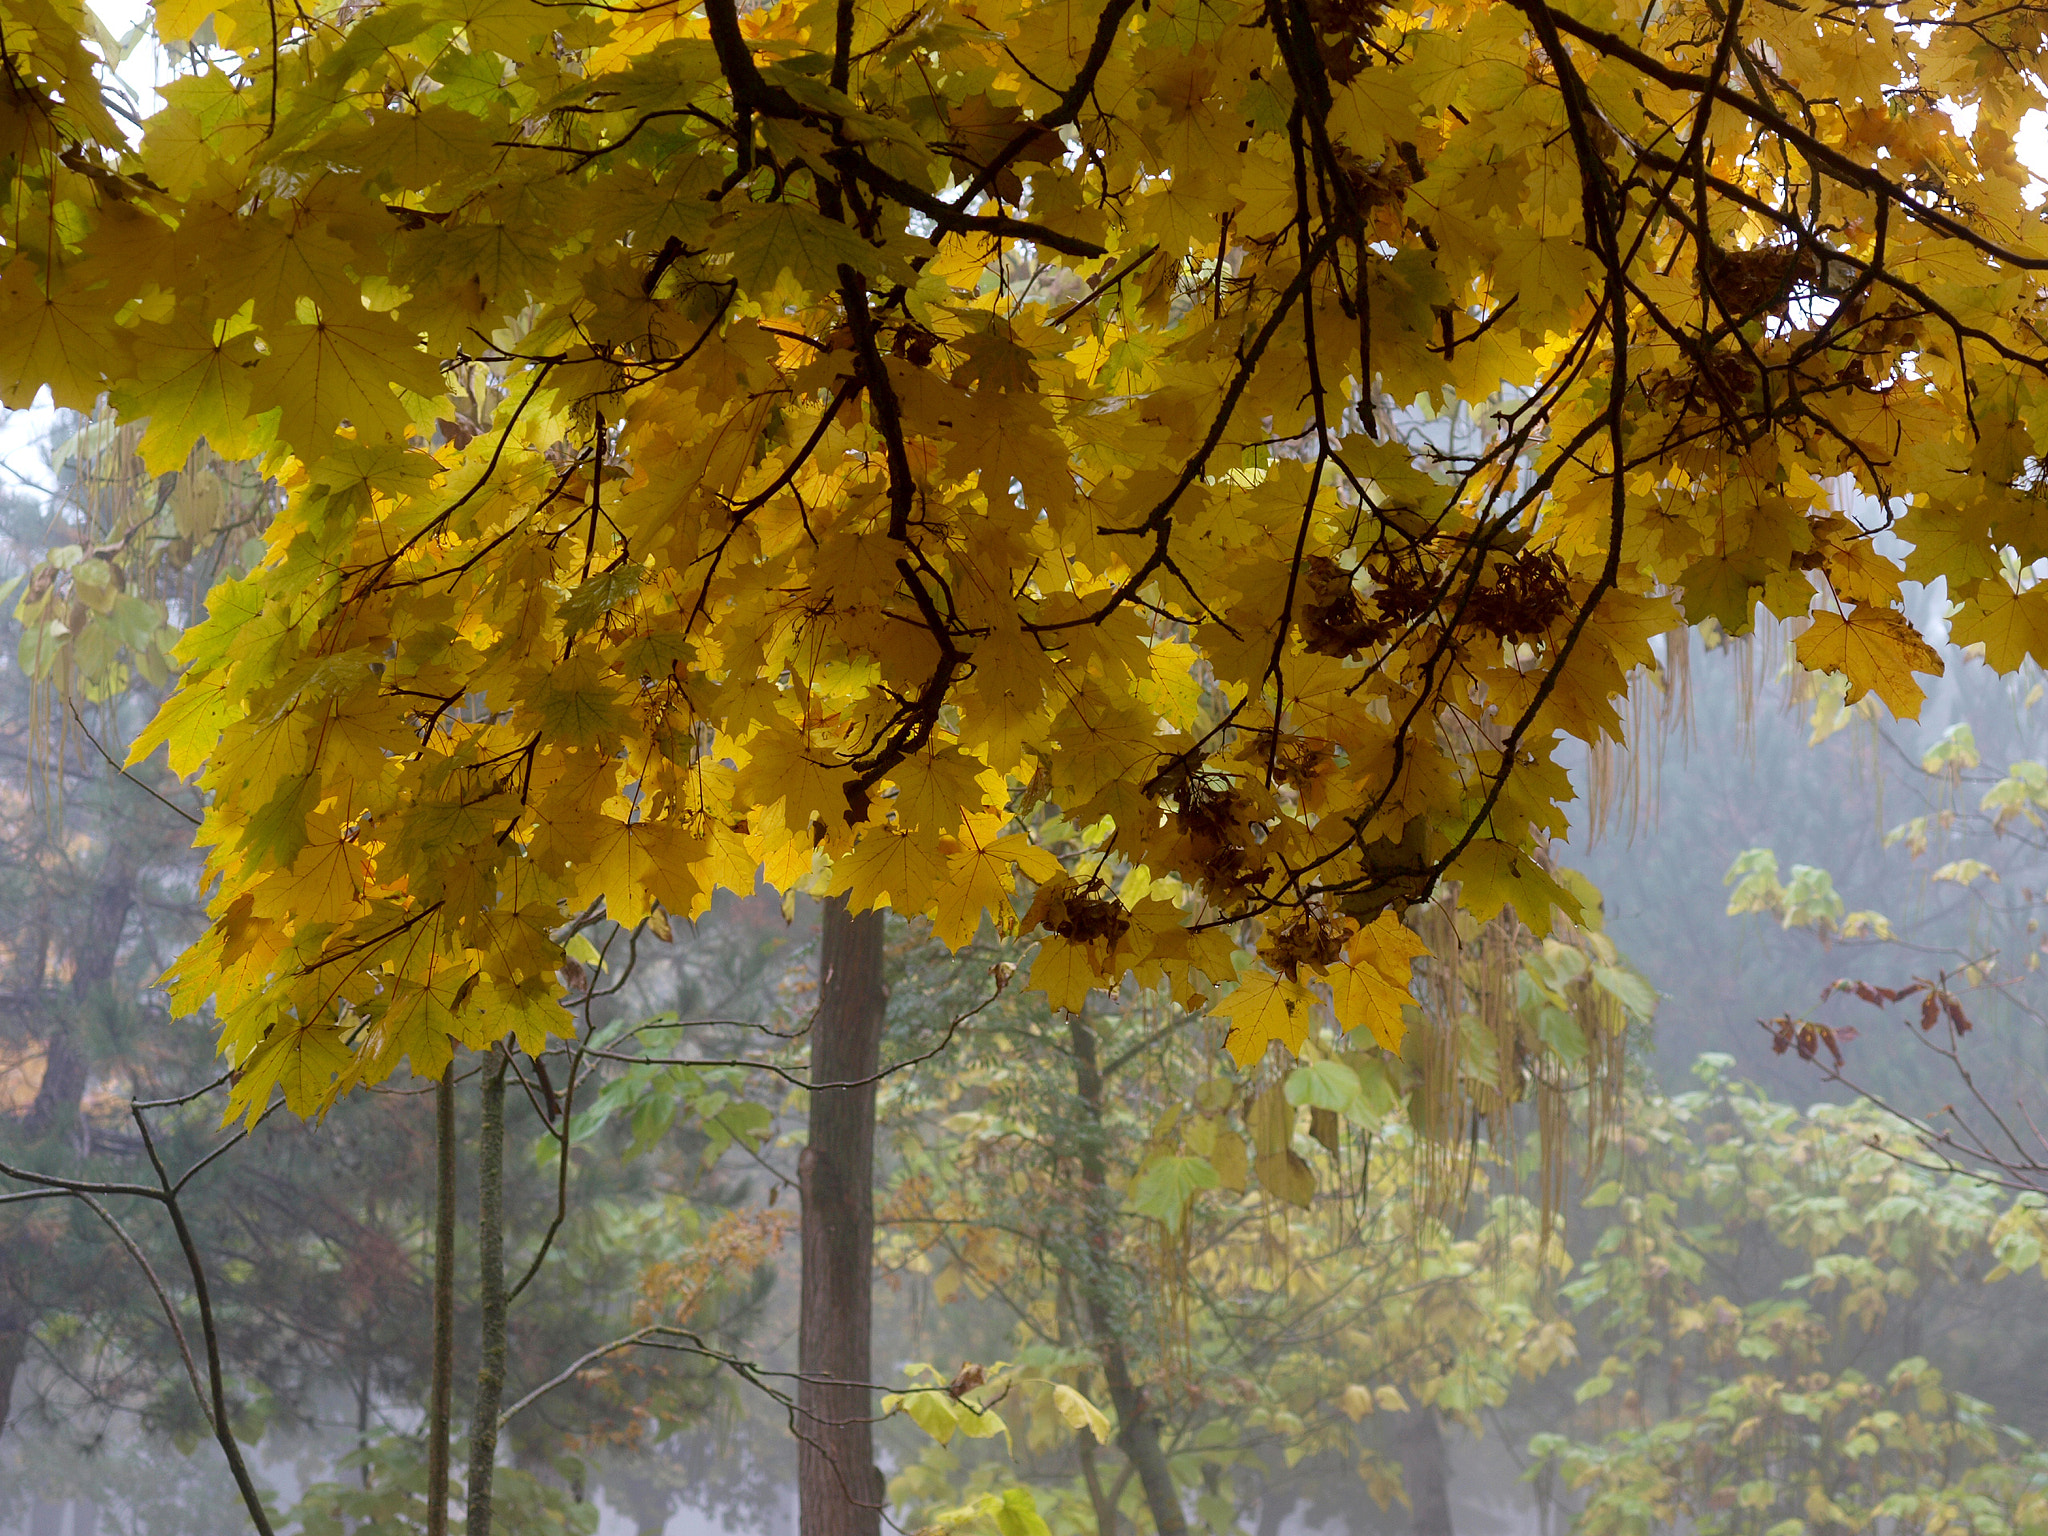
(442, 1392)
(490, 1241)
(67, 1069)
(13, 1347)
(96, 950)
(839, 1488)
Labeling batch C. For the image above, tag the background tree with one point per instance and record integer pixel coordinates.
(1769, 1287)
(1243, 1267)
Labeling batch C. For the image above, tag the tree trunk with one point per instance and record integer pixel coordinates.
(839, 1487)
(13, 1347)
(1275, 1505)
(1426, 1470)
(94, 953)
(1098, 1496)
(443, 1387)
(490, 1242)
(1137, 1425)
(55, 1107)
(66, 1068)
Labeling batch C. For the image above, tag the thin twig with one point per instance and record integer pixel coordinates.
(168, 805)
(223, 1430)
(155, 1284)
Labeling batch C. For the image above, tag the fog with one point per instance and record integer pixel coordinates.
(1387, 1362)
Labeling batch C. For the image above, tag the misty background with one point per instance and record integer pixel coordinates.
(316, 1235)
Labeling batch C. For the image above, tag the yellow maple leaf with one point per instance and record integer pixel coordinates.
(193, 383)
(1493, 874)
(980, 877)
(187, 726)
(784, 770)
(1877, 649)
(936, 787)
(770, 240)
(304, 1060)
(1370, 988)
(1065, 971)
(1264, 1007)
(886, 868)
(325, 882)
(1389, 945)
(1363, 997)
(2011, 626)
(55, 336)
(418, 1018)
(577, 701)
(336, 368)
(636, 864)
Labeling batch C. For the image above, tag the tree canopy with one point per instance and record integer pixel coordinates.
(834, 444)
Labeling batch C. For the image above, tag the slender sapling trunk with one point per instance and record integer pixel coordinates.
(1137, 1427)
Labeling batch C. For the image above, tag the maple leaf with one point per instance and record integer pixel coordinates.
(768, 241)
(936, 788)
(995, 362)
(55, 337)
(1371, 987)
(338, 368)
(886, 867)
(414, 150)
(1877, 649)
(2011, 626)
(327, 880)
(278, 260)
(305, 1062)
(1494, 874)
(1261, 1009)
(1065, 972)
(577, 701)
(192, 381)
(187, 726)
(979, 878)
(783, 771)
(979, 129)
(635, 865)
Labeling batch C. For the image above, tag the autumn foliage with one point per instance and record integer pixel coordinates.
(1191, 464)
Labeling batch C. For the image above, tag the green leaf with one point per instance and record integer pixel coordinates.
(1560, 1033)
(1324, 1085)
(768, 240)
(1626, 988)
(1017, 1515)
(1168, 1186)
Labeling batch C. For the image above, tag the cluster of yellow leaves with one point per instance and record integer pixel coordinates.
(1368, 986)
(937, 454)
